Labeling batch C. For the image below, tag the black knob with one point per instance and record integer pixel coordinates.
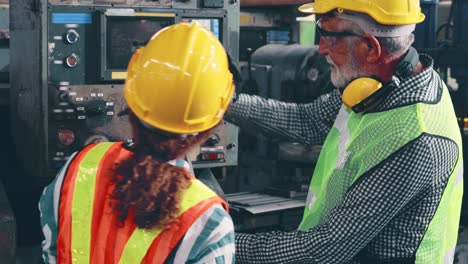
(64, 97)
(212, 140)
(95, 108)
(231, 146)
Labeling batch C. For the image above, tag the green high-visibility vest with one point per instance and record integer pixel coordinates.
(357, 143)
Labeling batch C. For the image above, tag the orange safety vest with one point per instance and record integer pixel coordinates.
(89, 231)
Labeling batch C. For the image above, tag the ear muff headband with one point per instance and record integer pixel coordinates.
(366, 92)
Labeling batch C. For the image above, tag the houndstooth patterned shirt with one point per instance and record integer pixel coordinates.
(385, 213)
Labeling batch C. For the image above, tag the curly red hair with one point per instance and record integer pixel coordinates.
(146, 184)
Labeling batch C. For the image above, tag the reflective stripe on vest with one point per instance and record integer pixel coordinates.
(141, 239)
(369, 139)
(89, 231)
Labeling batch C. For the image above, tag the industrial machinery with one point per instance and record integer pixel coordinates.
(68, 65)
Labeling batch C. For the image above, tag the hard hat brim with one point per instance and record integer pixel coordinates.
(307, 8)
(311, 9)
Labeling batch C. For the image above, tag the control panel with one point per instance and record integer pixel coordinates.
(69, 66)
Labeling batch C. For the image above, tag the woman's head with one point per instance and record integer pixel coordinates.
(177, 90)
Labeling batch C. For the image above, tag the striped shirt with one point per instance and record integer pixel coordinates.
(384, 215)
(210, 239)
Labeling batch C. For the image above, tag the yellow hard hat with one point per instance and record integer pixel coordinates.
(180, 81)
(386, 12)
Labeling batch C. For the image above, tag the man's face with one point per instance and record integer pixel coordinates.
(342, 75)
(339, 52)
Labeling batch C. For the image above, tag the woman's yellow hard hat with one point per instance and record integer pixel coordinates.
(180, 81)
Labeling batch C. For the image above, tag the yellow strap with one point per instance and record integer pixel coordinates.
(141, 239)
(82, 204)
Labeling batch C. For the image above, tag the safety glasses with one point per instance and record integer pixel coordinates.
(330, 36)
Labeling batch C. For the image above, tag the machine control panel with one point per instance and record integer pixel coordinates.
(86, 92)
(86, 114)
(73, 89)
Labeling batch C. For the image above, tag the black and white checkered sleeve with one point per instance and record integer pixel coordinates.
(305, 123)
(368, 206)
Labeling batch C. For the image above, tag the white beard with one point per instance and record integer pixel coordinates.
(342, 75)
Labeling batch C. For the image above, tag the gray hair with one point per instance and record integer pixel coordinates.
(394, 45)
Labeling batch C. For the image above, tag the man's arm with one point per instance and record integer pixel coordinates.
(305, 123)
(368, 206)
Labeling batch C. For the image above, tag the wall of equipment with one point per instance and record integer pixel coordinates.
(67, 67)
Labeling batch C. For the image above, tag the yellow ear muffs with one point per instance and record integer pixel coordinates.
(365, 93)
(359, 90)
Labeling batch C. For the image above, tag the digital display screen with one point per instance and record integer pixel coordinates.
(211, 24)
(126, 34)
(278, 36)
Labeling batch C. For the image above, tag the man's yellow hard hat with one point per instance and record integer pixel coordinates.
(180, 81)
(386, 12)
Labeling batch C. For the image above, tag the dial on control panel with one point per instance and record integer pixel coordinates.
(72, 36)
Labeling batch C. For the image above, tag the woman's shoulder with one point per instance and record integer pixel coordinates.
(210, 238)
(214, 216)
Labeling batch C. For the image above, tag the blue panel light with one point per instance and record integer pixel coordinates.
(71, 18)
(215, 27)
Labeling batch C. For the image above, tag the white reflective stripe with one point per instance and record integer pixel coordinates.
(459, 178)
(448, 258)
(311, 198)
(341, 124)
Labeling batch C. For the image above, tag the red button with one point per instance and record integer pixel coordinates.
(66, 137)
(72, 60)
